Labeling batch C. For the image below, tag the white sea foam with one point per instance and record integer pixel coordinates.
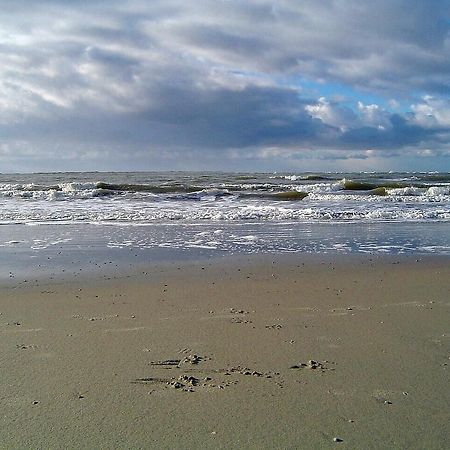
(406, 191)
(221, 212)
(224, 198)
(74, 187)
(438, 191)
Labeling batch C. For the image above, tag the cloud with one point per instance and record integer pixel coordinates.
(102, 79)
(432, 112)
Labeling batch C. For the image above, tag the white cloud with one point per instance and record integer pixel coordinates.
(374, 116)
(432, 112)
(344, 118)
(332, 114)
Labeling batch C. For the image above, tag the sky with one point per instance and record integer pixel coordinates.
(232, 85)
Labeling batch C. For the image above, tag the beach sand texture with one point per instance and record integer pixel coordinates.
(345, 351)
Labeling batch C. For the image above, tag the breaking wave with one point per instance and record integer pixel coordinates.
(168, 197)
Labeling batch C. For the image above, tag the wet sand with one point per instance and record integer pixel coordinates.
(297, 352)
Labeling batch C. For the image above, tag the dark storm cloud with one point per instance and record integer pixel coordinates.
(401, 134)
(215, 75)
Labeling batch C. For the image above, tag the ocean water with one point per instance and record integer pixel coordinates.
(143, 198)
(209, 213)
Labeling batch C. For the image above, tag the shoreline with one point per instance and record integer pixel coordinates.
(43, 251)
(130, 268)
(217, 354)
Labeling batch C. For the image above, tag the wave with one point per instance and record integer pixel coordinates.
(432, 192)
(380, 191)
(310, 177)
(436, 177)
(290, 195)
(152, 188)
(293, 188)
(282, 196)
(252, 213)
(394, 189)
(437, 191)
(78, 190)
(351, 185)
(407, 191)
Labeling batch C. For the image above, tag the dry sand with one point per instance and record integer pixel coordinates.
(348, 352)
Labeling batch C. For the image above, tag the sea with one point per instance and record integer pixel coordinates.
(158, 215)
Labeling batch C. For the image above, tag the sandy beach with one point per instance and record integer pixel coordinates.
(285, 352)
(224, 225)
